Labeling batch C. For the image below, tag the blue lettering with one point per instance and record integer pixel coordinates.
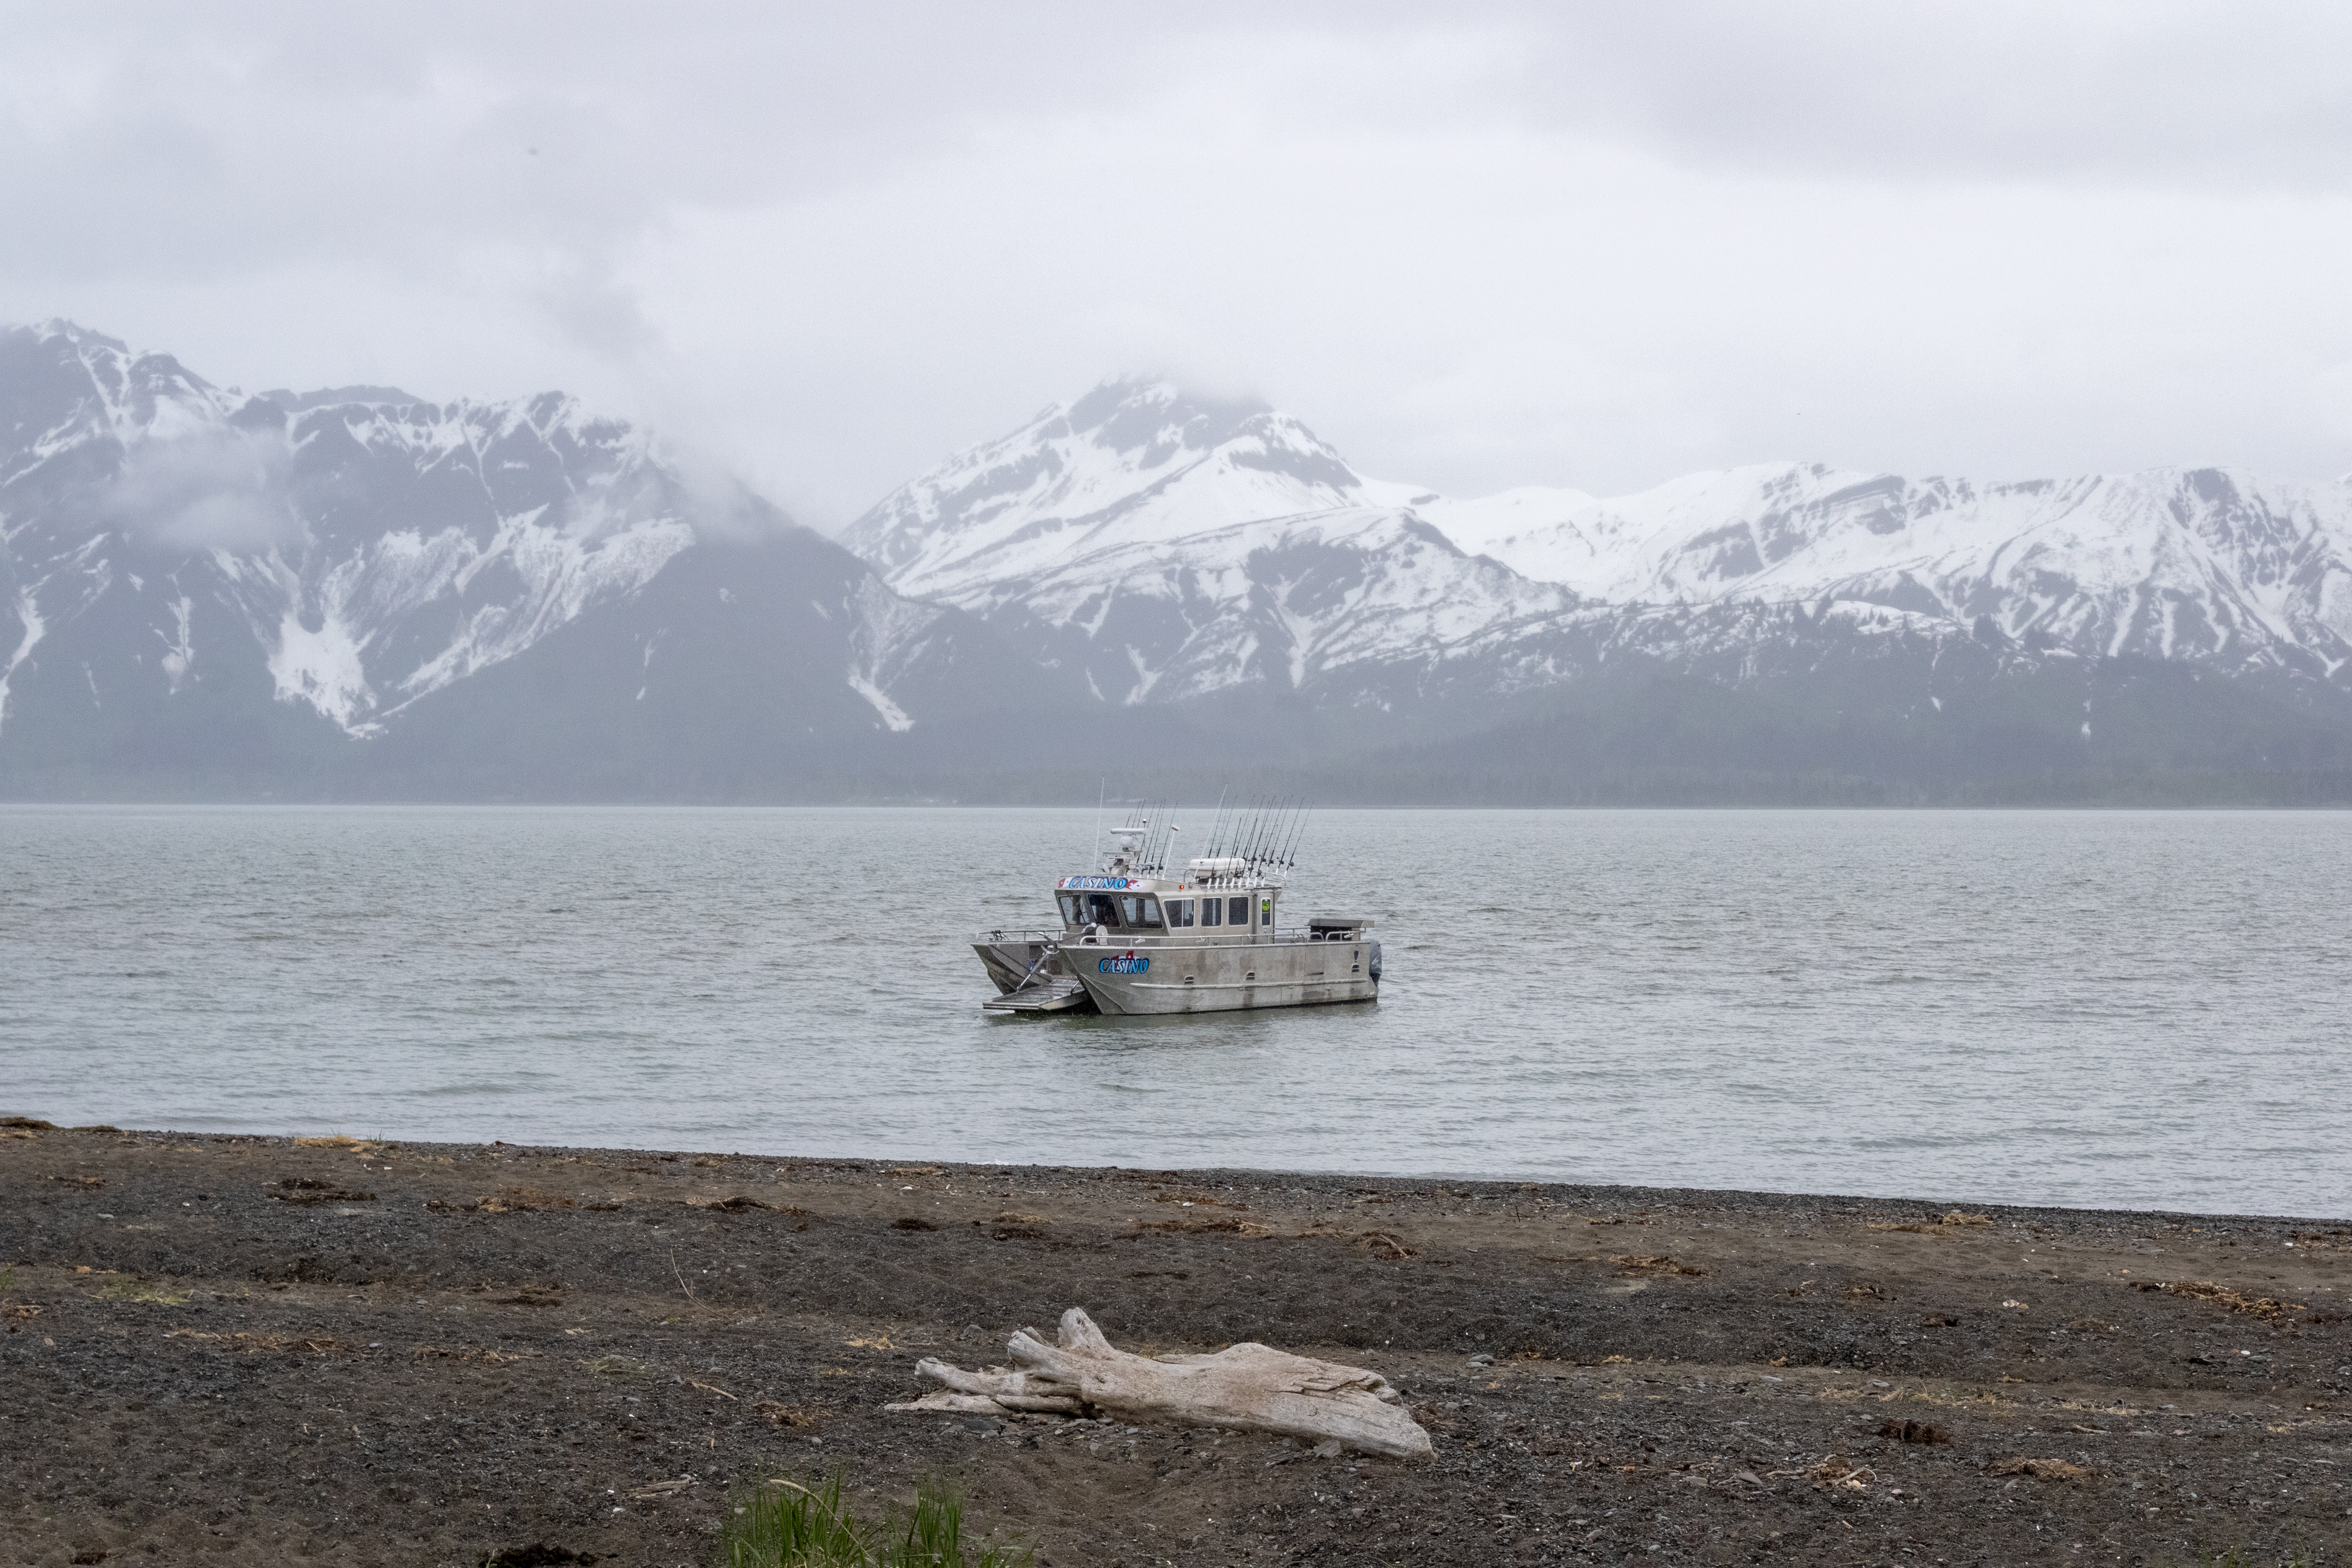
(1122, 965)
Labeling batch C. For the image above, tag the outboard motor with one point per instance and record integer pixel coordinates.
(1372, 961)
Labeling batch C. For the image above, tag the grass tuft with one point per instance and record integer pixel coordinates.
(126, 1291)
(782, 1524)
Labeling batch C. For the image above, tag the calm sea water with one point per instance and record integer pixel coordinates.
(2142, 1010)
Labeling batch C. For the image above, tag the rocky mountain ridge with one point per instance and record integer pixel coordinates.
(284, 583)
(1136, 529)
(2201, 565)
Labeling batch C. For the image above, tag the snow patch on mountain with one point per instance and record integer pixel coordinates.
(324, 666)
(1288, 601)
(31, 626)
(890, 636)
(179, 645)
(894, 717)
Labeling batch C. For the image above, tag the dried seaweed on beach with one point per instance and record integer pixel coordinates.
(2269, 1309)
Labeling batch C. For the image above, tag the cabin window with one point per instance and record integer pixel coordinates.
(1073, 910)
(1265, 912)
(1141, 909)
(1179, 914)
(1213, 912)
(1102, 909)
(1238, 910)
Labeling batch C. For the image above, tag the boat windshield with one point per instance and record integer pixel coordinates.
(1112, 911)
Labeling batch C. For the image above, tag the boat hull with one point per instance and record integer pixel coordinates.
(1014, 960)
(1206, 977)
(1028, 975)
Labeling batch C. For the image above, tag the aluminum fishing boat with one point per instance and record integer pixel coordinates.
(1137, 935)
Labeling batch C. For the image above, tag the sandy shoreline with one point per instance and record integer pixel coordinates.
(251, 1349)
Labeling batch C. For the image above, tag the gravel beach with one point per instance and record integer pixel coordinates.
(249, 1350)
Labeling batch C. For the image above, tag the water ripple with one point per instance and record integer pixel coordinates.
(2112, 1008)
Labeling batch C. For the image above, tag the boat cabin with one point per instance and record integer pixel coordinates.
(1140, 906)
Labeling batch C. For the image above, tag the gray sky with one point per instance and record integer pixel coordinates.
(1595, 244)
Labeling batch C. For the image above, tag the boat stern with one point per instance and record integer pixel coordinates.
(1014, 958)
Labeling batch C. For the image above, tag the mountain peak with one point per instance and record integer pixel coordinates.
(73, 332)
(1138, 456)
(1151, 422)
(1133, 413)
(327, 397)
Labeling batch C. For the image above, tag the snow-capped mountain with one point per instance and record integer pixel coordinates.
(1159, 542)
(1179, 551)
(2202, 565)
(1134, 461)
(182, 566)
(1171, 547)
(355, 592)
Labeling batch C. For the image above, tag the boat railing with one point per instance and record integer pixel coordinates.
(1124, 937)
(1019, 933)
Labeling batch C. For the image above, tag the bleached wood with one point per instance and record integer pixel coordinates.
(1248, 1387)
(988, 1404)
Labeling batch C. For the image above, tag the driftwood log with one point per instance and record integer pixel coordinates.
(1248, 1387)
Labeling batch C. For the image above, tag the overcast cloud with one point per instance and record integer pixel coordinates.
(1594, 246)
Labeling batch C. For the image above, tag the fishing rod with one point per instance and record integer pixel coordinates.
(1283, 817)
(1159, 841)
(1299, 832)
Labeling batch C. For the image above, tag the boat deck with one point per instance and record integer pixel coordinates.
(1047, 994)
